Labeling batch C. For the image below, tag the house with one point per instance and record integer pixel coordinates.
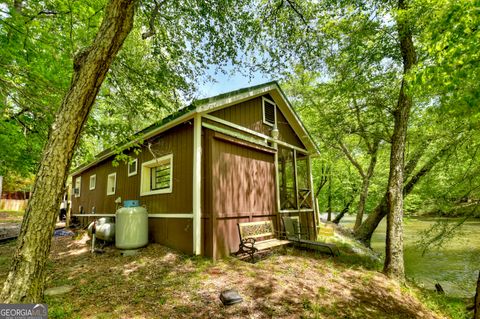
(236, 157)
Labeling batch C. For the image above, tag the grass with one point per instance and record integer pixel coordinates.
(289, 283)
(452, 307)
(11, 216)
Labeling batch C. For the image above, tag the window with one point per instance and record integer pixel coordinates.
(157, 176)
(294, 180)
(93, 181)
(111, 183)
(78, 185)
(132, 167)
(286, 170)
(303, 182)
(269, 114)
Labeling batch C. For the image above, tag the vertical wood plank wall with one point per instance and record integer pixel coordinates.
(174, 232)
(238, 183)
(244, 180)
(249, 114)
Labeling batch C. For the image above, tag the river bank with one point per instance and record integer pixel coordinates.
(160, 282)
(454, 265)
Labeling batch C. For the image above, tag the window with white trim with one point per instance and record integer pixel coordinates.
(93, 182)
(78, 185)
(157, 176)
(269, 112)
(111, 183)
(132, 167)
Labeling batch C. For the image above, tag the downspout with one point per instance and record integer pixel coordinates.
(197, 180)
(312, 195)
(275, 134)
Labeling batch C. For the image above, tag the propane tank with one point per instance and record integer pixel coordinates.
(104, 229)
(131, 226)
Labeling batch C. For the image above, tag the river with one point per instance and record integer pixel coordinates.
(455, 265)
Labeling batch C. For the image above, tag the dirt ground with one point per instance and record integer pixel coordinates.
(161, 283)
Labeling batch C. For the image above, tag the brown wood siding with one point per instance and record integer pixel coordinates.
(172, 232)
(249, 114)
(241, 187)
(177, 141)
(238, 182)
(207, 220)
(286, 133)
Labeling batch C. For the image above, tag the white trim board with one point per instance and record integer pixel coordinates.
(303, 210)
(170, 215)
(149, 215)
(239, 98)
(197, 185)
(94, 179)
(109, 178)
(273, 89)
(93, 215)
(252, 132)
(136, 167)
(154, 132)
(264, 99)
(281, 102)
(145, 176)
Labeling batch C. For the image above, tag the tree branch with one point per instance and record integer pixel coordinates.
(151, 22)
(351, 159)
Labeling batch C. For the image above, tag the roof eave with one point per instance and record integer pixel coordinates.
(160, 129)
(300, 130)
(210, 105)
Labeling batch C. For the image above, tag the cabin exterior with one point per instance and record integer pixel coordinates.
(237, 157)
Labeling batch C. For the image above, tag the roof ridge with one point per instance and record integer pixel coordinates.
(178, 113)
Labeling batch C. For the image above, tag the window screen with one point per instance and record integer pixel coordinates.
(160, 177)
(132, 167)
(268, 112)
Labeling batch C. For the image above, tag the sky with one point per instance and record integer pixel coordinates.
(230, 81)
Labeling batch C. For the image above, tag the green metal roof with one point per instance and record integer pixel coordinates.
(192, 107)
(197, 103)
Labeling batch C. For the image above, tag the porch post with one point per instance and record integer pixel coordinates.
(274, 134)
(197, 180)
(296, 179)
(312, 194)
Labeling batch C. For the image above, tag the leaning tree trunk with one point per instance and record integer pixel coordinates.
(361, 202)
(365, 231)
(364, 190)
(26, 279)
(345, 210)
(476, 300)
(329, 199)
(394, 266)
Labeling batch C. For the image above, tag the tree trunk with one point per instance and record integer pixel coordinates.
(365, 185)
(26, 279)
(394, 266)
(329, 200)
(365, 231)
(345, 210)
(476, 311)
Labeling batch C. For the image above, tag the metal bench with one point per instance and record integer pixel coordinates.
(294, 234)
(257, 236)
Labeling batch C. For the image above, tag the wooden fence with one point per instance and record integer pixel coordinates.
(13, 204)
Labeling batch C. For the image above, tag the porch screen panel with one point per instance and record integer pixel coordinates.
(304, 191)
(286, 172)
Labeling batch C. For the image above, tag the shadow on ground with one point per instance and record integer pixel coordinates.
(161, 283)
